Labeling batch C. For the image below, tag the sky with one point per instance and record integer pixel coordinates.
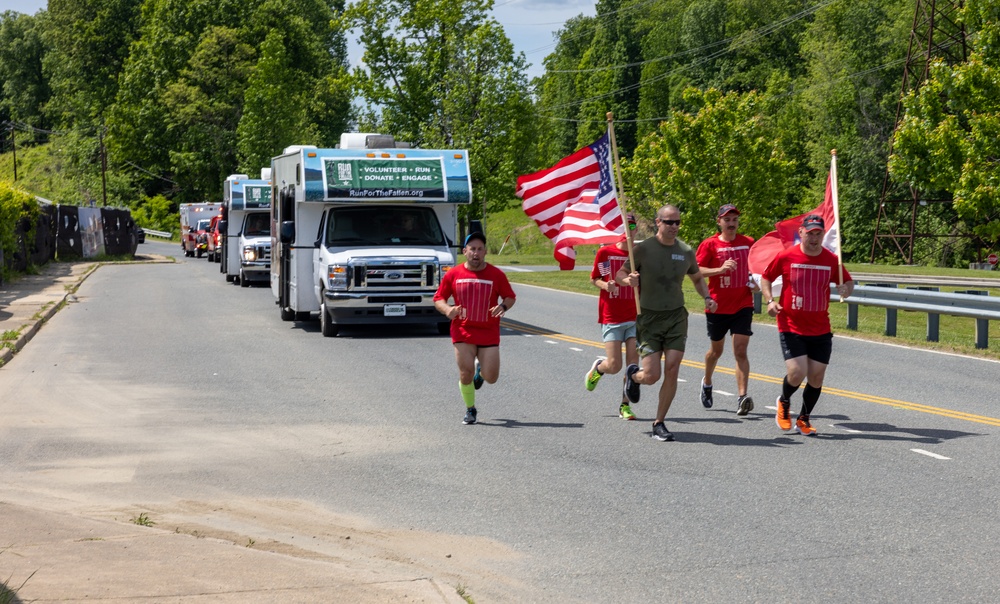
(529, 24)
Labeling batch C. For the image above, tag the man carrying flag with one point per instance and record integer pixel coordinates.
(574, 202)
(806, 271)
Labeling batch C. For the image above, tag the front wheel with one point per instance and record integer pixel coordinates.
(243, 280)
(328, 327)
(287, 314)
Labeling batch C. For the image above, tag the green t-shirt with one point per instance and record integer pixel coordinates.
(661, 272)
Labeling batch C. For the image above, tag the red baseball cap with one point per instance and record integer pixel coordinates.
(727, 208)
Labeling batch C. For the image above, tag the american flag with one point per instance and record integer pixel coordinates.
(574, 201)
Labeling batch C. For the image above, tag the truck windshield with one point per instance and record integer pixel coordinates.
(384, 226)
(203, 225)
(257, 225)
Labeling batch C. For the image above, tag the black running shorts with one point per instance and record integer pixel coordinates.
(737, 323)
(817, 348)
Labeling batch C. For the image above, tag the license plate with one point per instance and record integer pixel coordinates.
(394, 310)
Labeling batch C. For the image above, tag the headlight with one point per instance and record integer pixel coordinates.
(249, 254)
(336, 276)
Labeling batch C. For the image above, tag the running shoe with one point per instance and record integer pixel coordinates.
(661, 433)
(593, 376)
(706, 395)
(803, 427)
(631, 386)
(625, 412)
(744, 405)
(470, 416)
(781, 417)
(477, 380)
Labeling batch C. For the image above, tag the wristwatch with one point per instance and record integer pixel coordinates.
(770, 301)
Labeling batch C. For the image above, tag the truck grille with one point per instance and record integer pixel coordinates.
(263, 251)
(393, 275)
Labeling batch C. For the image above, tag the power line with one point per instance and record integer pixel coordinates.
(755, 35)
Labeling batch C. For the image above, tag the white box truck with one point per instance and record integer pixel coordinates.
(363, 233)
(246, 228)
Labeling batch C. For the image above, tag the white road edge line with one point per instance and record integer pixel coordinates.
(846, 429)
(929, 454)
(724, 392)
(576, 349)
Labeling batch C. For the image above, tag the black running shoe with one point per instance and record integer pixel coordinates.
(477, 380)
(744, 405)
(631, 386)
(470, 416)
(661, 433)
(706, 396)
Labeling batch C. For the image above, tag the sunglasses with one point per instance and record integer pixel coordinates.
(668, 222)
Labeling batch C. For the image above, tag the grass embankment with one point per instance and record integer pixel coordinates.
(957, 334)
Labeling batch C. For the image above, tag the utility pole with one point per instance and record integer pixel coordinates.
(13, 146)
(104, 166)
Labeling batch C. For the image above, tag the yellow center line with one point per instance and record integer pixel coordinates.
(868, 398)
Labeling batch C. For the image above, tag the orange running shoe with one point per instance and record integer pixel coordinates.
(803, 427)
(782, 418)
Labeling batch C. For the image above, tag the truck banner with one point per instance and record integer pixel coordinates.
(376, 178)
(373, 175)
(248, 194)
(257, 196)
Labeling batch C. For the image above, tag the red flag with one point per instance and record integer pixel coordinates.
(786, 234)
(574, 201)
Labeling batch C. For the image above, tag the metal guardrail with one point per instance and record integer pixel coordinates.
(163, 234)
(938, 281)
(977, 305)
(974, 304)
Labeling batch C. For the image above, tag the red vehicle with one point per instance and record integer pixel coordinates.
(195, 218)
(214, 240)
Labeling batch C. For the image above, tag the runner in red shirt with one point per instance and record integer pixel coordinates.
(616, 314)
(806, 271)
(723, 258)
(482, 295)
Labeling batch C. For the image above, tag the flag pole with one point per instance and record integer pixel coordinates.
(621, 209)
(836, 213)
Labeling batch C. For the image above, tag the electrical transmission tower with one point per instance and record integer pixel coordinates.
(937, 34)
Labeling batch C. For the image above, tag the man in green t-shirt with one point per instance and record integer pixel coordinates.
(662, 324)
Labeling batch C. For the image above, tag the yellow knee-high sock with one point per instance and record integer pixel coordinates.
(468, 394)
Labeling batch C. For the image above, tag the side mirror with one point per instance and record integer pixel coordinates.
(287, 233)
(222, 226)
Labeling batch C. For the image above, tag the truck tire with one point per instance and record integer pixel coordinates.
(230, 278)
(287, 314)
(328, 327)
(244, 282)
(199, 253)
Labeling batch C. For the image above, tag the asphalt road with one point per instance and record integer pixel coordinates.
(166, 383)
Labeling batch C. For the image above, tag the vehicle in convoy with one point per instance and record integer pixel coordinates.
(245, 230)
(213, 238)
(195, 218)
(366, 230)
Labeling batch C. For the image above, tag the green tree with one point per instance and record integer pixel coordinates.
(727, 151)
(440, 74)
(89, 41)
(24, 89)
(949, 140)
(204, 106)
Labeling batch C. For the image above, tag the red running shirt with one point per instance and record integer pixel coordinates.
(805, 289)
(620, 307)
(729, 290)
(476, 292)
